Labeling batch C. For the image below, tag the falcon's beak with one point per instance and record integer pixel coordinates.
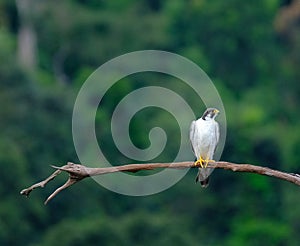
(216, 111)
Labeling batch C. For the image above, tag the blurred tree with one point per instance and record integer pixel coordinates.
(26, 34)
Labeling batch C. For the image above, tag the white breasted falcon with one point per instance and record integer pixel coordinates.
(204, 136)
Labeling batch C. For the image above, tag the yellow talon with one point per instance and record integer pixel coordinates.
(198, 163)
(207, 161)
(202, 163)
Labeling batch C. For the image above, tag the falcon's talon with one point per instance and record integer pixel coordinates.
(200, 162)
(208, 161)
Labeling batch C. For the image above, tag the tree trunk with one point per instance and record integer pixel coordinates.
(26, 55)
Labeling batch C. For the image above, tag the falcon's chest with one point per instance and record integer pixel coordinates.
(206, 128)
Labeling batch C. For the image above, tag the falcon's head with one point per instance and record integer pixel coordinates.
(210, 113)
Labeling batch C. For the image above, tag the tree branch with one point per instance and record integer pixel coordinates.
(78, 172)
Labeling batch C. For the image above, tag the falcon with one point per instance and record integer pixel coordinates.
(204, 136)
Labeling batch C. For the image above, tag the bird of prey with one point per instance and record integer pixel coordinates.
(204, 136)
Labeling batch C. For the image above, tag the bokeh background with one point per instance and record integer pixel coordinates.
(251, 51)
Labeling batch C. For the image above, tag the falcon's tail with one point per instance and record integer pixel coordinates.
(202, 178)
(204, 183)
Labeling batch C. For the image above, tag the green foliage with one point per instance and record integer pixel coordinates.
(258, 232)
(255, 69)
(139, 228)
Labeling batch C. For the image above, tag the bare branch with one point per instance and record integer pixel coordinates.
(27, 191)
(78, 172)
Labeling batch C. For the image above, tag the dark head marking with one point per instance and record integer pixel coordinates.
(210, 113)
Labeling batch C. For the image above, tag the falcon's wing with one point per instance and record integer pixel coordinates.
(217, 135)
(192, 135)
